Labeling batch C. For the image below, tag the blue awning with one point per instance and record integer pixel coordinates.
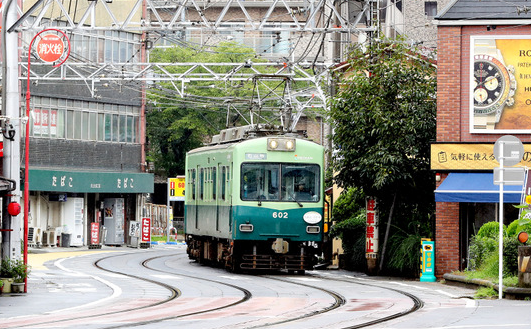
(475, 187)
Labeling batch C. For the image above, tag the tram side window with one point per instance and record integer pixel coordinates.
(201, 183)
(214, 185)
(223, 182)
(260, 182)
(192, 180)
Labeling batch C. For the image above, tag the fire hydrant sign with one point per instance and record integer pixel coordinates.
(50, 48)
(146, 230)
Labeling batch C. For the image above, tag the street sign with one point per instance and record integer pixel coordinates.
(50, 48)
(511, 176)
(513, 150)
(176, 188)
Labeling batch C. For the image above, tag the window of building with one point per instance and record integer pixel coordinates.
(430, 8)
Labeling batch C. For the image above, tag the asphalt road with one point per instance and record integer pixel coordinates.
(161, 288)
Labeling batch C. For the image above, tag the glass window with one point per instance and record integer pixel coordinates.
(300, 182)
(430, 8)
(92, 126)
(286, 182)
(60, 123)
(101, 126)
(115, 127)
(222, 182)
(214, 185)
(45, 123)
(193, 184)
(70, 124)
(84, 125)
(123, 129)
(108, 127)
(77, 125)
(260, 181)
(130, 129)
(201, 183)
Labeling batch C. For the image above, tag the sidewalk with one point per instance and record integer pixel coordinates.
(49, 286)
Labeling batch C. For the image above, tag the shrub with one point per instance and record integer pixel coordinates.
(479, 249)
(516, 227)
(491, 230)
(510, 256)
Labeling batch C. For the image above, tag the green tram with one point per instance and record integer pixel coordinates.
(255, 204)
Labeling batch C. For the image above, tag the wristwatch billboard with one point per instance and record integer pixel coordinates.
(494, 85)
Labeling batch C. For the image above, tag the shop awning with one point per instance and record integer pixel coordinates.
(90, 182)
(475, 187)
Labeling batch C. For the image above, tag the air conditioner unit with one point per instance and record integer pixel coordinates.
(34, 237)
(49, 238)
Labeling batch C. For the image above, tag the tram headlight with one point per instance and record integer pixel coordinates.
(273, 144)
(281, 144)
(290, 144)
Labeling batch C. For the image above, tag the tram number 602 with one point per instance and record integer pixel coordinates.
(280, 214)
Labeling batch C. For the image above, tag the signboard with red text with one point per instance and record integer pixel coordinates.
(371, 237)
(94, 233)
(146, 229)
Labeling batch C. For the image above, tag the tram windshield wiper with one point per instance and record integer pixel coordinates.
(294, 199)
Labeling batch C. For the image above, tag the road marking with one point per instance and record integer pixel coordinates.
(446, 293)
(116, 291)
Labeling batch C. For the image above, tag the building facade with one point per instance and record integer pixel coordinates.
(86, 149)
(482, 95)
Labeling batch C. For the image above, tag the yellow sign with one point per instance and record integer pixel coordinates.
(176, 188)
(462, 156)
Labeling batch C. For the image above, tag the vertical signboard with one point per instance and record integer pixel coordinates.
(94, 233)
(427, 261)
(371, 247)
(146, 229)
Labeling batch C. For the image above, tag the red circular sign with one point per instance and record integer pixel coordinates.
(50, 48)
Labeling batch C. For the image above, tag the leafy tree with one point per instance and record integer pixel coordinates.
(384, 120)
(176, 125)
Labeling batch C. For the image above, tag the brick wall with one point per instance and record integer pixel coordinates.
(453, 112)
(447, 238)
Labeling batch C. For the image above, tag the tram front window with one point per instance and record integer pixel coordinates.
(300, 182)
(260, 182)
(275, 182)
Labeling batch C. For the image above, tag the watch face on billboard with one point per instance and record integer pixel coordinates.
(500, 84)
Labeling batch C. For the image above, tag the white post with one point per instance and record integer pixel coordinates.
(500, 247)
(11, 242)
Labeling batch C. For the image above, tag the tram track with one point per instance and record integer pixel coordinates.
(338, 301)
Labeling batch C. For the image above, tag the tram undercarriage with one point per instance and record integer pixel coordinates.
(235, 256)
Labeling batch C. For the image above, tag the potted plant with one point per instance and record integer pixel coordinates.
(13, 273)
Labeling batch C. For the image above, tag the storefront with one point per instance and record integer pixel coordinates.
(67, 202)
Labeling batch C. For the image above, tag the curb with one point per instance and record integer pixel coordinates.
(509, 292)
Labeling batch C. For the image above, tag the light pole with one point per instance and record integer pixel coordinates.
(50, 49)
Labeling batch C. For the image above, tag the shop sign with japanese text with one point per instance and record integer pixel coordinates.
(469, 156)
(371, 238)
(146, 229)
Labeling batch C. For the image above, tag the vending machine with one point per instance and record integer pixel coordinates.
(73, 222)
(114, 220)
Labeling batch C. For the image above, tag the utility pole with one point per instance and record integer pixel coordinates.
(11, 246)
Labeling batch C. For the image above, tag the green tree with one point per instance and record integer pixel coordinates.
(175, 124)
(384, 120)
